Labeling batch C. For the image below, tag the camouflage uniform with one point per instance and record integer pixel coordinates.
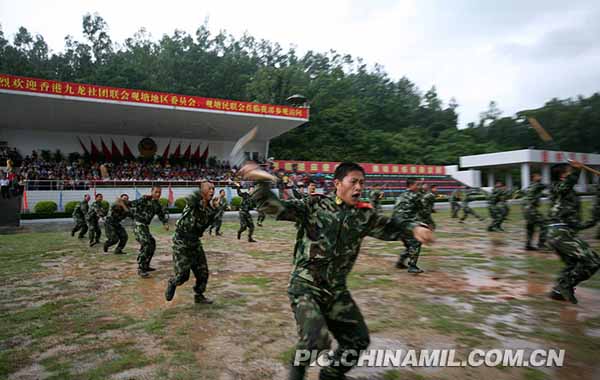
(297, 194)
(532, 214)
(596, 210)
(143, 210)
(467, 210)
(218, 219)
(188, 253)
(115, 232)
(409, 206)
(79, 216)
(375, 198)
(93, 218)
(454, 203)
(498, 208)
(427, 208)
(329, 237)
(564, 224)
(260, 218)
(245, 217)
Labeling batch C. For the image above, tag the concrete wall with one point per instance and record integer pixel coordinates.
(468, 177)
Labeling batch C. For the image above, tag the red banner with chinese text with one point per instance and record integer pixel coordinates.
(383, 169)
(82, 90)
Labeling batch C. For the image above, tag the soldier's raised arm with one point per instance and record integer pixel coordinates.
(398, 227)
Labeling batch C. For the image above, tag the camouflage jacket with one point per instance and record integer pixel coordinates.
(96, 211)
(118, 214)
(533, 195)
(297, 193)
(329, 236)
(81, 210)
(455, 196)
(221, 207)
(567, 207)
(427, 203)
(408, 205)
(498, 196)
(144, 209)
(375, 197)
(247, 202)
(195, 218)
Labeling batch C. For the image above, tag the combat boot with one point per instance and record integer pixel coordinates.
(297, 372)
(170, 291)
(119, 251)
(251, 240)
(239, 235)
(567, 293)
(555, 295)
(72, 233)
(401, 264)
(150, 269)
(415, 269)
(142, 273)
(105, 247)
(530, 248)
(200, 298)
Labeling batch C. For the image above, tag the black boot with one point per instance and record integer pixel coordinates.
(401, 264)
(199, 298)
(142, 273)
(297, 372)
(413, 268)
(105, 247)
(239, 235)
(567, 293)
(529, 247)
(170, 291)
(119, 251)
(251, 240)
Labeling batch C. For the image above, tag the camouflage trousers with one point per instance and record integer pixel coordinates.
(319, 313)
(534, 220)
(411, 252)
(246, 223)
(580, 259)
(81, 226)
(147, 244)
(455, 208)
(469, 211)
(95, 231)
(217, 223)
(115, 233)
(261, 217)
(188, 257)
(498, 213)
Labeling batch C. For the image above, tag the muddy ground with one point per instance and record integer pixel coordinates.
(73, 312)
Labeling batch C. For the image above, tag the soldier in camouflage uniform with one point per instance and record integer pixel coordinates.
(115, 232)
(498, 206)
(331, 230)
(220, 205)
(245, 216)
(455, 202)
(79, 215)
(376, 196)
(93, 217)
(467, 210)
(596, 209)
(564, 224)
(428, 203)
(533, 217)
(188, 253)
(143, 211)
(409, 206)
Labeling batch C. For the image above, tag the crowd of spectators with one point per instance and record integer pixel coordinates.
(49, 173)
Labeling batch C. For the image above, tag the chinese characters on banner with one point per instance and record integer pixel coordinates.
(81, 90)
(329, 167)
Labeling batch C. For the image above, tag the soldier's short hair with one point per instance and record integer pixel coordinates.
(433, 187)
(98, 195)
(557, 171)
(344, 168)
(410, 182)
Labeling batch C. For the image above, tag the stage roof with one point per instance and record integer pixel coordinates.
(39, 104)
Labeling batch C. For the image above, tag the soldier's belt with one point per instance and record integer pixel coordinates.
(558, 225)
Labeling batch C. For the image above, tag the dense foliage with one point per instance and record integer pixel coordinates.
(357, 113)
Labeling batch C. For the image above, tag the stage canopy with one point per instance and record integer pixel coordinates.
(46, 105)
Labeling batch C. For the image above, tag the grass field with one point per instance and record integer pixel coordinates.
(73, 312)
